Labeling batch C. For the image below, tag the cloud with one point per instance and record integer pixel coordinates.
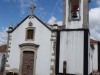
(59, 23)
(94, 22)
(3, 36)
(94, 13)
(53, 20)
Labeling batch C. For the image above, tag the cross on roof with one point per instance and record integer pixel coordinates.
(32, 8)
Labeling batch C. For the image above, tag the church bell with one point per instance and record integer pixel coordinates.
(74, 8)
(74, 15)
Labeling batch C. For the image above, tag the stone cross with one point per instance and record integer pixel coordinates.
(32, 8)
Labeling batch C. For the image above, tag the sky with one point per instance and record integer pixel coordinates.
(47, 10)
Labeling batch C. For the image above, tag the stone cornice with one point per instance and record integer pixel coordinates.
(29, 44)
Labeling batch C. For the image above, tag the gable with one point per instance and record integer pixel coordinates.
(32, 18)
(38, 28)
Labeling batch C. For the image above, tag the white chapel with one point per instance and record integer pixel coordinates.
(36, 48)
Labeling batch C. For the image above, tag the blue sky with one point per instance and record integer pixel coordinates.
(16, 10)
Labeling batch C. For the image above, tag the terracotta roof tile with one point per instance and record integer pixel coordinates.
(93, 41)
(3, 48)
(60, 27)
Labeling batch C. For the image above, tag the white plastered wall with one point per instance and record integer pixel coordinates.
(42, 38)
(71, 51)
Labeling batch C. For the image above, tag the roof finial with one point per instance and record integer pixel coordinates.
(10, 27)
(32, 8)
(11, 24)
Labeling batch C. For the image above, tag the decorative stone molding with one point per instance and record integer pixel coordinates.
(6, 60)
(8, 51)
(53, 35)
(52, 60)
(53, 55)
(29, 44)
(30, 28)
(7, 65)
(52, 67)
(30, 24)
(52, 39)
(28, 47)
(7, 55)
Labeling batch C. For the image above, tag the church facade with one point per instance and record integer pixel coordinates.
(34, 48)
(30, 48)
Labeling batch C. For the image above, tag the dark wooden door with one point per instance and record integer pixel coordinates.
(28, 63)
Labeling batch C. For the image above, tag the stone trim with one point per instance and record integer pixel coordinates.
(52, 60)
(30, 28)
(52, 39)
(52, 67)
(28, 47)
(8, 51)
(29, 44)
(7, 65)
(53, 54)
(7, 55)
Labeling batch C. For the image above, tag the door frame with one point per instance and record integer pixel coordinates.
(27, 63)
(31, 48)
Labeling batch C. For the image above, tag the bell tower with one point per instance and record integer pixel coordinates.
(72, 45)
(75, 14)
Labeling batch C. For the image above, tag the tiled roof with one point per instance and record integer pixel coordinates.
(3, 48)
(93, 41)
(51, 26)
(60, 27)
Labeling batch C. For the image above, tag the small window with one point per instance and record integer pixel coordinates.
(30, 34)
